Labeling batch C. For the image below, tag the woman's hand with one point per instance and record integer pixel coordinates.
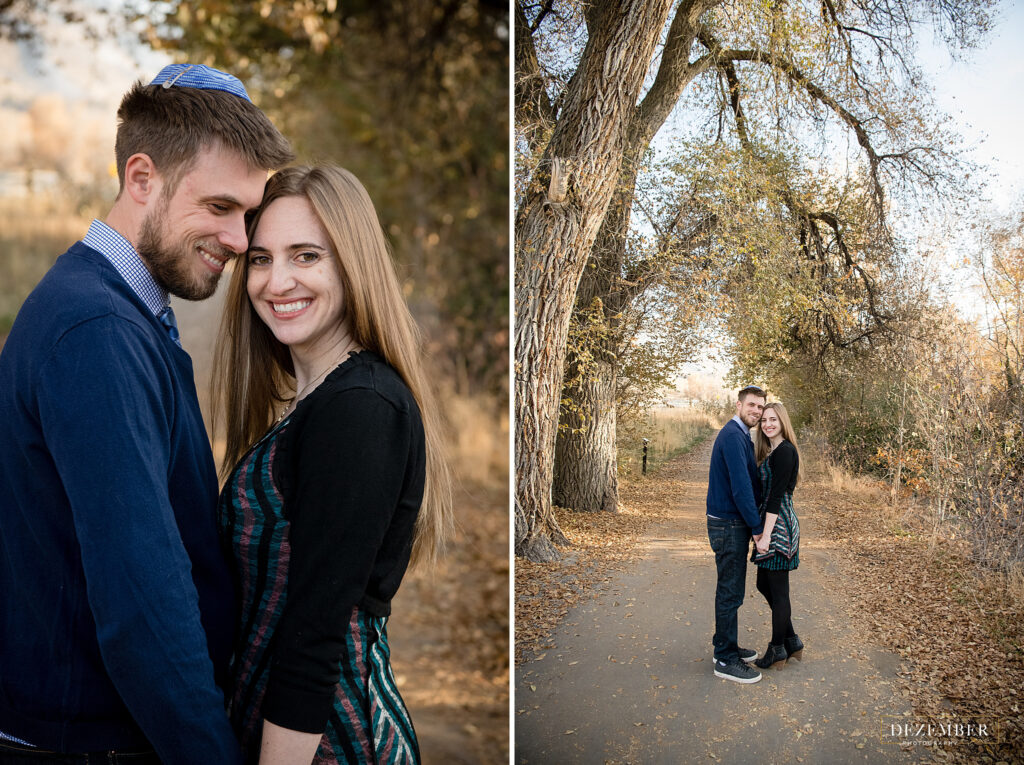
(765, 540)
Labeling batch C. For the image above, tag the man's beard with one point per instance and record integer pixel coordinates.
(169, 263)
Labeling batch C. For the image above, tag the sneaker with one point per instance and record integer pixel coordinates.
(736, 671)
(747, 654)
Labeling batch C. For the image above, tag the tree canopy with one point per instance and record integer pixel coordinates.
(410, 97)
(814, 121)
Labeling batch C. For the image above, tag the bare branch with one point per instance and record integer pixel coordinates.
(534, 110)
(797, 77)
(809, 233)
(675, 71)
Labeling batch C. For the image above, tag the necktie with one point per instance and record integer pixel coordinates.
(166, 318)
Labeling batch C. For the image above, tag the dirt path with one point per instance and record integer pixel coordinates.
(629, 677)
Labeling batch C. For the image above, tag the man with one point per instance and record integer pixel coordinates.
(117, 612)
(734, 495)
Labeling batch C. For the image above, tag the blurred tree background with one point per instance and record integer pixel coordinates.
(410, 96)
(413, 98)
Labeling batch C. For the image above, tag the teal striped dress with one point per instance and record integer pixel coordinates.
(369, 722)
(784, 551)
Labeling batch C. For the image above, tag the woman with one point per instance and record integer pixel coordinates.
(778, 550)
(333, 488)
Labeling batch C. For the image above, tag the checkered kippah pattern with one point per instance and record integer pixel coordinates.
(200, 77)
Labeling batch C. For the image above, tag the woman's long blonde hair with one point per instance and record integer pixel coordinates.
(763, 447)
(253, 373)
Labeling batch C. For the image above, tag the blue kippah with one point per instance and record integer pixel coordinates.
(201, 77)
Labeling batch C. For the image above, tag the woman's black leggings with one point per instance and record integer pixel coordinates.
(774, 585)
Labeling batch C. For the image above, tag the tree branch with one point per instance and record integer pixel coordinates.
(809, 234)
(534, 111)
(798, 78)
(545, 9)
(675, 71)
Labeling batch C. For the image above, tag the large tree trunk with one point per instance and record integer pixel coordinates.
(586, 470)
(586, 465)
(554, 236)
(586, 458)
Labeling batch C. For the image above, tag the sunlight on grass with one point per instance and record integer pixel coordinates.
(671, 432)
(863, 487)
(33, 233)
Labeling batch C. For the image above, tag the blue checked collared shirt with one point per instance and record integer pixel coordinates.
(13, 739)
(126, 260)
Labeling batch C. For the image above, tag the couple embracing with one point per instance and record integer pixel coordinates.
(750, 495)
(146, 616)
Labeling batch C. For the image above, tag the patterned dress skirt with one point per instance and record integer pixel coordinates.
(369, 722)
(784, 548)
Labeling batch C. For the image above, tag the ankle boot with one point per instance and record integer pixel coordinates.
(794, 647)
(773, 655)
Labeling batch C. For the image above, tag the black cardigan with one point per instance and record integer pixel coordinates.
(350, 467)
(784, 463)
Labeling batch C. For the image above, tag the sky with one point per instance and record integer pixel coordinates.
(985, 96)
(71, 66)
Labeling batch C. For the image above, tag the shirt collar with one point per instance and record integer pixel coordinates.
(126, 261)
(743, 425)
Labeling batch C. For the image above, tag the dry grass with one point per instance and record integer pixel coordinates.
(451, 630)
(958, 629)
(863, 487)
(33, 233)
(672, 431)
(1015, 583)
(478, 437)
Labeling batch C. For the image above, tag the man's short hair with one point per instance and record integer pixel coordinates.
(173, 125)
(751, 390)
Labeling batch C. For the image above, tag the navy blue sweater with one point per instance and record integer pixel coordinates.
(117, 602)
(734, 488)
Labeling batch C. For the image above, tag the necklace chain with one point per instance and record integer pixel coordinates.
(294, 400)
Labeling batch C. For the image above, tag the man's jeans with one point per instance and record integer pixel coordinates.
(731, 542)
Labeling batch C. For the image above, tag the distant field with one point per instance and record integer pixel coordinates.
(671, 432)
(33, 233)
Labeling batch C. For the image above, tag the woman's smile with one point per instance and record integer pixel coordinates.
(294, 281)
(291, 309)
